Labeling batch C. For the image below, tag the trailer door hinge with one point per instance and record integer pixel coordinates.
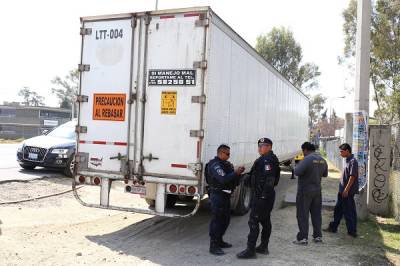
(83, 67)
(133, 98)
(134, 22)
(86, 31)
(80, 129)
(203, 21)
(197, 133)
(200, 64)
(147, 19)
(82, 98)
(199, 99)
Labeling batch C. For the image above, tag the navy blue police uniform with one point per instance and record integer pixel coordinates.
(263, 177)
(221, 180)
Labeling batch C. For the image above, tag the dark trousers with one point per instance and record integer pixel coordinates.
(221, 213)
(345, 207)
(308, 203)
(260, 215)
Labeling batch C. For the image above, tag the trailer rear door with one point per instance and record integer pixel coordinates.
(107, 49)
(175, 43)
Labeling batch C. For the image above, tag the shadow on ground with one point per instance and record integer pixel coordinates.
(162, 240)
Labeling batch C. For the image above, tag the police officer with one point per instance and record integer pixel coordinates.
(264, 176)
(309, 199)
(222, 179)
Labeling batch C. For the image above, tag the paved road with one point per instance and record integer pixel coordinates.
(10, 169)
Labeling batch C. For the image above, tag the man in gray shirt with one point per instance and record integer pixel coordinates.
(309, 198)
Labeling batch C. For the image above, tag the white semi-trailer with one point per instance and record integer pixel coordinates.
(160, 91)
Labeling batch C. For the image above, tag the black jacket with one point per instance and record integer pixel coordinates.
(220, 175)
(264, 175)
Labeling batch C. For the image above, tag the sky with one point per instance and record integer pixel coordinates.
(40, 39)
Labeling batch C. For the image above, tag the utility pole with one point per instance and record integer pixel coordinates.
(156, 4)
(361, 101)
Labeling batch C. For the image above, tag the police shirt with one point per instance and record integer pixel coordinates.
(220, 175)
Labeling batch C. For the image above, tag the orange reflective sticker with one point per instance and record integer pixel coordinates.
(168, 102)
(110, 107)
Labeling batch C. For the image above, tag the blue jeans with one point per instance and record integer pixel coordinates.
(345, 207)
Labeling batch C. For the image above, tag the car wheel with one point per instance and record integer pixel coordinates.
(28, 167)
(69, 170)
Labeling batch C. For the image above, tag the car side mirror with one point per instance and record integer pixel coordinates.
(45, 131)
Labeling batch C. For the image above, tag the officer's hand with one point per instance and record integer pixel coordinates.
(240, 170)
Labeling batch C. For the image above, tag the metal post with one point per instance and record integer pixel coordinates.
(156, 4)
(160, 198)
(361, 100)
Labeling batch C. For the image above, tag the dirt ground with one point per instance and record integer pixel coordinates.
(59, 231)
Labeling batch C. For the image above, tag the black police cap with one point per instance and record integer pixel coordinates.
(265, 141)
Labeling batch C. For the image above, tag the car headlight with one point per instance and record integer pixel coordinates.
(20, 148)
(59, 151)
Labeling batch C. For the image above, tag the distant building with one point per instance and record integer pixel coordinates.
(28, 121)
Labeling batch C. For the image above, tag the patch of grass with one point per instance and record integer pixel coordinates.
(11, 141)
(380, 236)
(389, 229)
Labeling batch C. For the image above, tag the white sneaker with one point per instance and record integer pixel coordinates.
(303, 242)
(317, 239)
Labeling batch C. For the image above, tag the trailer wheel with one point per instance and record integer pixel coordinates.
(171, 200)
(243, 204)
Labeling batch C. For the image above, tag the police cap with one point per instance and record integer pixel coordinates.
(264, 141)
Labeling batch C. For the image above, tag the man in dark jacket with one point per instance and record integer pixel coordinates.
(309, 198)
(222, 179)
(264, 176)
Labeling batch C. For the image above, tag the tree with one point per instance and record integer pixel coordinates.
(282, 51)
(66, 89)
(327, 127)
(31, 98)
(316, 106)
(385, 54)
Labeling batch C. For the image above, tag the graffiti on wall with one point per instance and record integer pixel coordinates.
(381, 168)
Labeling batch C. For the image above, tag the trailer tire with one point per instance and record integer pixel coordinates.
(171, 200)
(243, 204)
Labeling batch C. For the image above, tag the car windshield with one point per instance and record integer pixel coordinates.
(66, 130)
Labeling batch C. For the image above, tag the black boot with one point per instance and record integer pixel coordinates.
(262, 248)
(248, 253)
(215, 248)
(223, 244)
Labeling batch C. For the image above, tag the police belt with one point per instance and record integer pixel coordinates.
(218, 190)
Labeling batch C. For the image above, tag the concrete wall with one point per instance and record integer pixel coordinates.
(394, 181)
(332, 152)
(394, 189)
(26, 122)
(379, 169)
